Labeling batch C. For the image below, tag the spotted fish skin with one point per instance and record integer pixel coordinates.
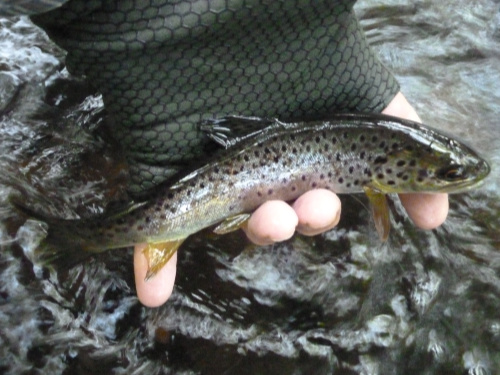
(26, 7)
(345, 154)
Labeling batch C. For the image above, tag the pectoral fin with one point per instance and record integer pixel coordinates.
(380, 212)
(232, 223)
(158, 254)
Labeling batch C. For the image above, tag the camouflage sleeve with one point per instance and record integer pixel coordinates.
(27, 7)
(162, 66)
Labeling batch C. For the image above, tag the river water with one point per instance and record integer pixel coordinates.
(424, 302)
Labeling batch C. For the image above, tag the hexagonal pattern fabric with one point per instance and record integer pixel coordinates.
(164, 65)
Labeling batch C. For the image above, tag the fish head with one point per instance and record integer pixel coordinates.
(430, 162)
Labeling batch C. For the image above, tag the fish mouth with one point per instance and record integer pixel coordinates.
(479, 172)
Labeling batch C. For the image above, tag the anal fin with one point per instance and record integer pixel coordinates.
(158, 254)
(380, 212)
(232, 223)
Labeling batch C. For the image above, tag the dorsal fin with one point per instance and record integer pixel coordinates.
(230, 130)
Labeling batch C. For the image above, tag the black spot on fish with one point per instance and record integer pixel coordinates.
(356, 182)
(270, 191)
(267, 151)
(294, 150)
(362, 138)
(337, 155)
(330, 174)
(374, 139)
(341, 180)
(345, 135)
(420, 179)
(380, 176)
(334, 140)
(294, 188)
(405, 178)
(401, 163)
(423, 173)
(380, 160)
(256, 153)
(390, 182)
(242, 168)
(276, 159)
(259, 194)
(381, 144)
(362, 154)
(322, 177)
(303, 177)
(388, 171)
(409, 148)
(326, 148)
(283, 148)
(317, 139)
(147, 219)
(348, 185)
(413, 163)
(314, 184)
(353, 147)
(170, 195)
(308, 148)
(246, 158)
(395, 146)
(351, 170)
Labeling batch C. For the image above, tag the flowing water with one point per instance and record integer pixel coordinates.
(424, 302)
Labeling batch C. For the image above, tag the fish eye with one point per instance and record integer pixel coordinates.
(452, 173)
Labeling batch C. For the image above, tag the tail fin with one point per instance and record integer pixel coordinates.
(57, 245)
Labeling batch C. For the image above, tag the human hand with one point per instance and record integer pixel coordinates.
(314, 212)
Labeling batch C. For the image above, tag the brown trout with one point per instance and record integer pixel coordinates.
(349, 153)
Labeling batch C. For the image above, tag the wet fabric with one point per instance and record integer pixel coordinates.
(162, 66)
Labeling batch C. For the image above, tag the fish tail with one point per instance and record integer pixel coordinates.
(61, 245)
(61, 250)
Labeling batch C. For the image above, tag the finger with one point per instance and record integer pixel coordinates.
(400, 107)
(427, 211)
(274, 221)
(318, 211)
(157, 290)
